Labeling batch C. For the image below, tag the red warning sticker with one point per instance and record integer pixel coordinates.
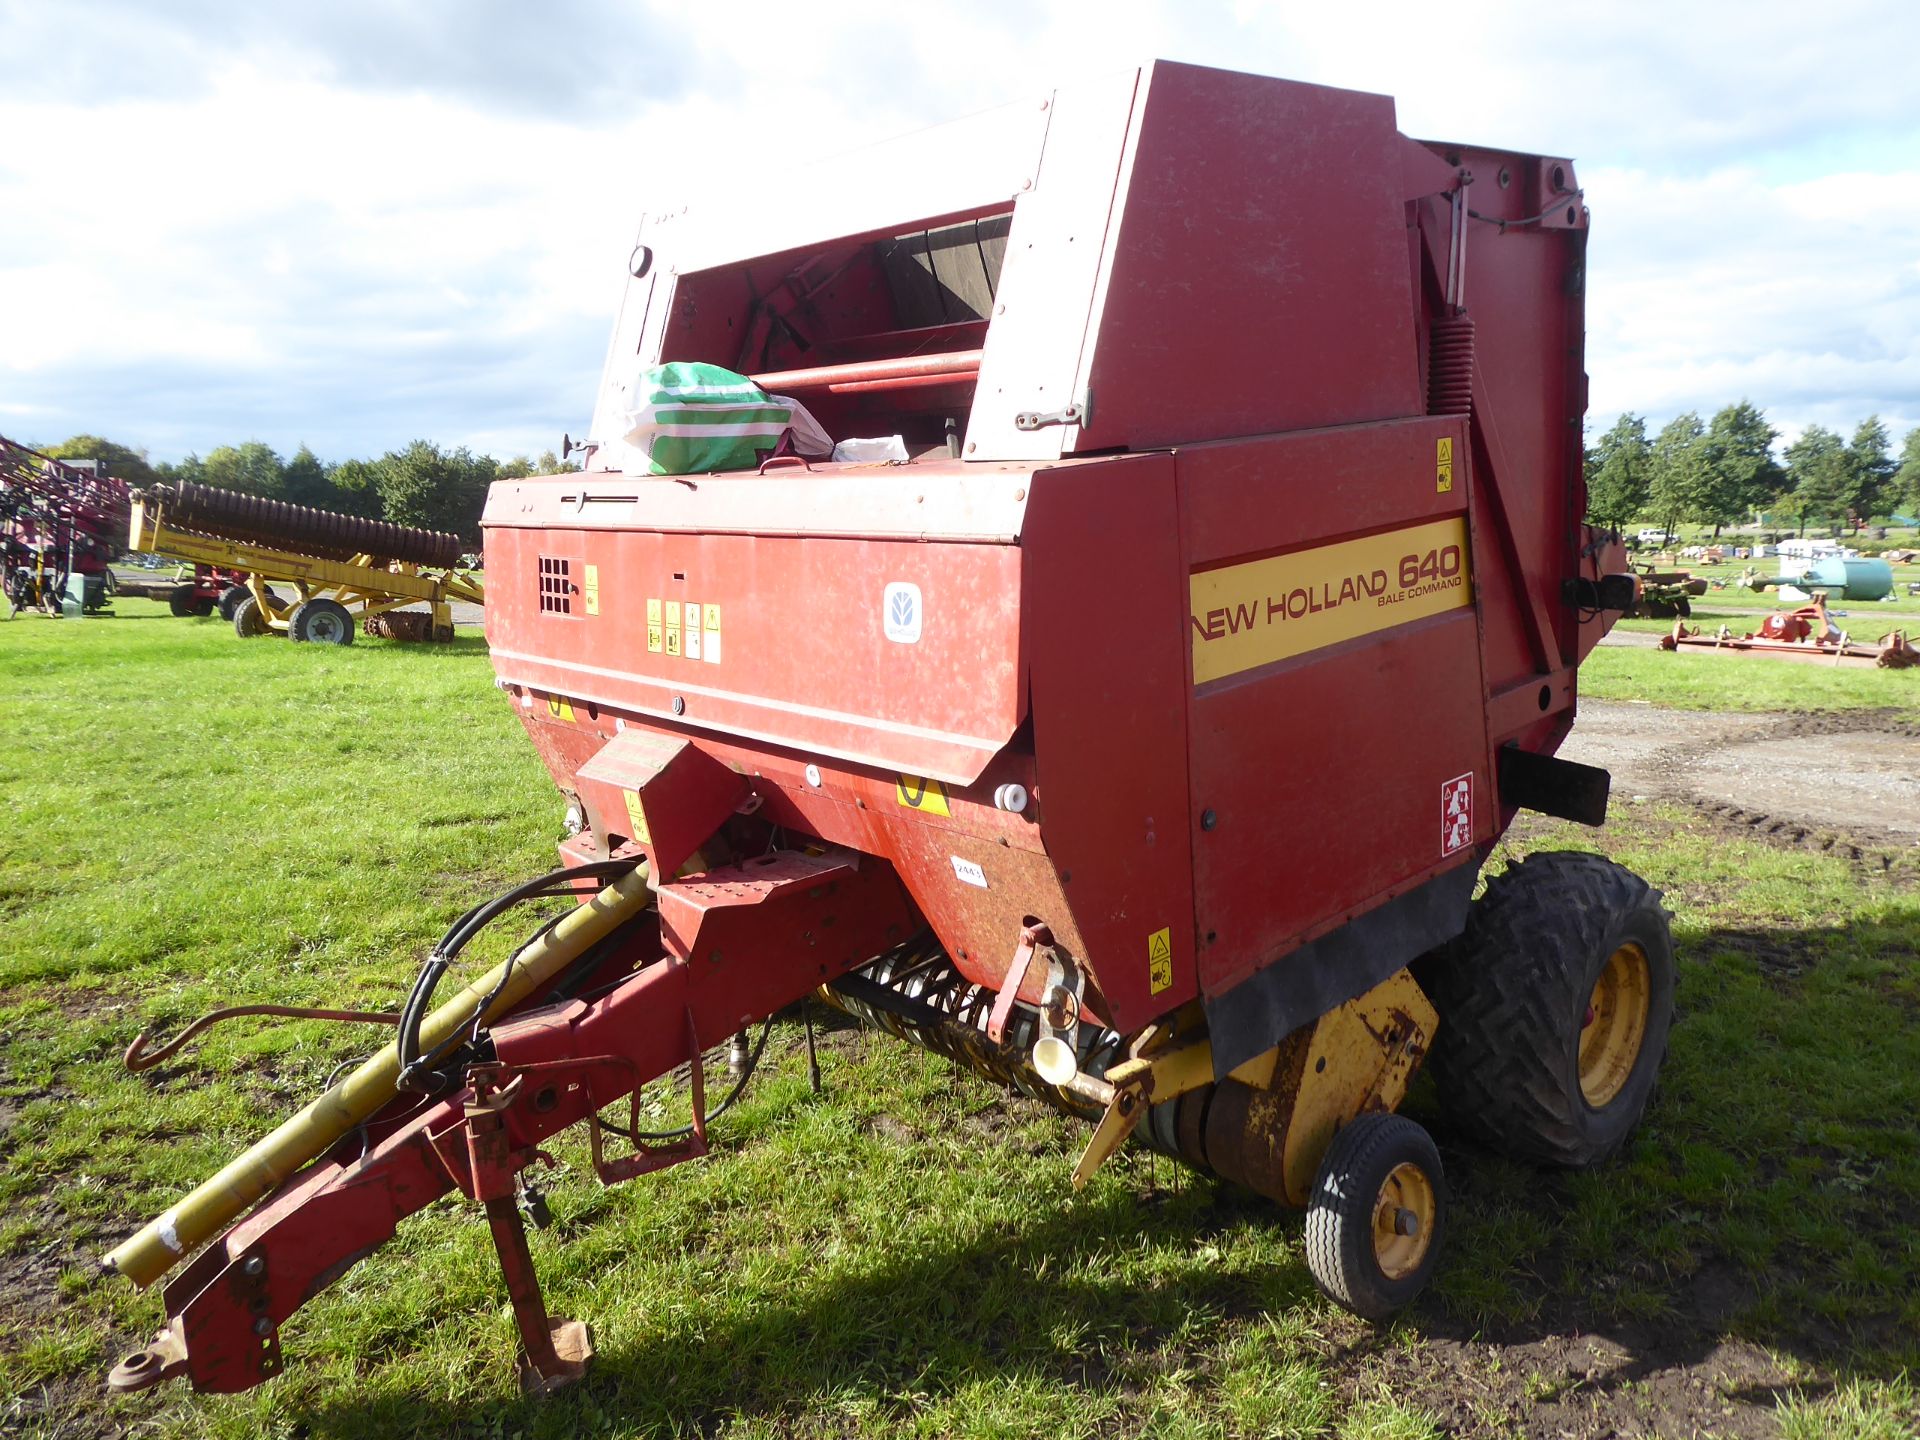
(1456, 813)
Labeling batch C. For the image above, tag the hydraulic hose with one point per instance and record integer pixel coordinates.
(416, 1069)
(218, 1202)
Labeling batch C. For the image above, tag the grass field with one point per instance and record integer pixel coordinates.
(198, 821)
(1695, 680)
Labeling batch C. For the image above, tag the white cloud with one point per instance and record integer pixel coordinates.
(359, 223)
(1803, 297)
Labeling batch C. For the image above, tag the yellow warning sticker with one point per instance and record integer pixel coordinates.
(1267, 610)
(654, 629)
(654, 634)
(916, 792)
(1160, 960)
(637, 818)
(673, 627)
(1443, 464)
(712, 628)
(560, 709)
(592, 588)
(653, 611)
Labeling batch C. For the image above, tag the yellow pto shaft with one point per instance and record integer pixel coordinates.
(218, 1202)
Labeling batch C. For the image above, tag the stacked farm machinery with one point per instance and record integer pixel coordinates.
(1137, 741)
(61, 523)
(339, 566)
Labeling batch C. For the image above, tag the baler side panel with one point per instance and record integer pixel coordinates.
(805, 660)
(1326, 770)
(1305, 251)
(1105, 635)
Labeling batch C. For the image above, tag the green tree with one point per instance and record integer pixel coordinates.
(1870, 472)
(1819, 467)
(253, 468)
(356, 488)
(520, 467)
(305, 481)
(1742, 474)
(1906, 480)
(129, 465)
(1618, 472)
(192, 470)
(1677, 474)
(440, 490)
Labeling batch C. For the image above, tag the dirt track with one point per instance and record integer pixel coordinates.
(1857, 772)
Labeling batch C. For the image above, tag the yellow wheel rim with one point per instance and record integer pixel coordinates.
(1615, 1025)
(1403, 1217)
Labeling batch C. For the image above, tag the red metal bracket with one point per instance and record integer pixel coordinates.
(1032, 939)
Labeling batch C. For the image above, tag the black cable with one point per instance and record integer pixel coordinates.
(1530, 219)
(641, 1137)
(414, 1070)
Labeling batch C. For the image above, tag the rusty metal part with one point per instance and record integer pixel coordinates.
(1806, 634)
(139, 1057)
(164, 1358)
(1269, 1123)
(414, 625)
(554, 1353)
(323, 533)
(1034, 940)
(915, 993)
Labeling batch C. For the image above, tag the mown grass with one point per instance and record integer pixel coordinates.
(200, 821)
(1695, 680)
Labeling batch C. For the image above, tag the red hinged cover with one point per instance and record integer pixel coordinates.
(664, 794)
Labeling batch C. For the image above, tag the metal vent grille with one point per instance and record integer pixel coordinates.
(556, 586)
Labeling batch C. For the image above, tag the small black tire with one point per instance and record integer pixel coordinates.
(230, 599)
(322, 621)
(181, 602)
(1561, 943)
(249, 619)
(1377, 1215)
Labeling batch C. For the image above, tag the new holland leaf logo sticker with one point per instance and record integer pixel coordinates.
(901, 612)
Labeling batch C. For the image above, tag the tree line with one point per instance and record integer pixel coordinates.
(1725, 472)
(420, 484)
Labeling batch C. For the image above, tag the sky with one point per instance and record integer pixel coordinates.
(354, 224)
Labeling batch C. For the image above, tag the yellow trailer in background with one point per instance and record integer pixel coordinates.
(315, 553)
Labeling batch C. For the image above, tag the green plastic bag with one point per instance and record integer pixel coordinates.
(688, 418)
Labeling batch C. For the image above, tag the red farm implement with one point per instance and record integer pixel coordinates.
(61, 522)
(1138, 741)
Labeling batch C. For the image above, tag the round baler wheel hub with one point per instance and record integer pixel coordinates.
(1615, 1026)
(1403, 1221)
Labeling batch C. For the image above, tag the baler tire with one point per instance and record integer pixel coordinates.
(230, 599)
(1359, 1260)
(1517, 992)
(249, 619)
(325, 621)
(180, 602)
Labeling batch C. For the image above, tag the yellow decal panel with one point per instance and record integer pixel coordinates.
(1160, 960)
(918, 793)
(654, 630)
(637, 817)
(560, 709)
(1286, 605)
(1443, 464)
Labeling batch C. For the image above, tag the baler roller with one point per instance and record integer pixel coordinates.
(256, 520)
